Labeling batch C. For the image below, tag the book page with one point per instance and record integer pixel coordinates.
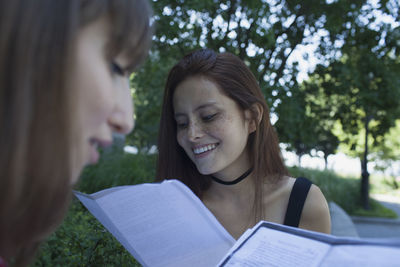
(271, 244)
(161, 224)
(269, 247)
(362, 255)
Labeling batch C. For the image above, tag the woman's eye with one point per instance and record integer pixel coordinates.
(115, 68)
(181, 125)
(209, 117)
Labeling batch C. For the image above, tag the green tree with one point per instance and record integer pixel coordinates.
(320, 110)
(147, 93)
(364, 88)
(387, 152)
(263, 33)
(294, 126)
(305, 122)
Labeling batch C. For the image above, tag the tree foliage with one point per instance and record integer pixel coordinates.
(387, 152)
(306, 121)
(363, 85)
(148, 86)
(265, 34)
(355, 42)
(295, 126)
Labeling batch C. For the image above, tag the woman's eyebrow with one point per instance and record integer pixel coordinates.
(206, 105)
(202, 106)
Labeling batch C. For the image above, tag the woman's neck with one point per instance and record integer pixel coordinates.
(232, 205)
(234, 181)
(242, 191)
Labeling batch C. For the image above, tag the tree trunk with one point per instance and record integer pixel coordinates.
(326, 161)
(364, 170)
(299, 156)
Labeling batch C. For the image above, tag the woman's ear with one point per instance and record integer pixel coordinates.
(254, 116)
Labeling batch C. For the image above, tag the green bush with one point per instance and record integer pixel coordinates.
(81, 240)
(117, 168)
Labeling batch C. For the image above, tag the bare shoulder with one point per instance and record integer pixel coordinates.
(315, 215)
(282, 186)
(276, 198)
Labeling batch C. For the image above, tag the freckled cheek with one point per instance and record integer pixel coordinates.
(216, 130)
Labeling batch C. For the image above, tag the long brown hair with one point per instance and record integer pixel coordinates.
(37, 41)
(235, 80)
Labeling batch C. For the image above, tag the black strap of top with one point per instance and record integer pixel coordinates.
(296, 201)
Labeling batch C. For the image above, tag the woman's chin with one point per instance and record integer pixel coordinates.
(206, 171)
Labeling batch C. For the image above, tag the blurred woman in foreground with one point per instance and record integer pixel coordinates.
(64, 89)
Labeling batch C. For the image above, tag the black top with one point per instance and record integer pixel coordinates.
(296, 201)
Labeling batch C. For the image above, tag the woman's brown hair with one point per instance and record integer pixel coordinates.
(237, 82)
(37, 42)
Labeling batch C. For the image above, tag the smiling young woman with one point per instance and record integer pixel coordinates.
(216, 137)
(64, 68)
(211, 128)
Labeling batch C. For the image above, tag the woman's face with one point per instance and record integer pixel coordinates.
(211, 128)
(103, 100)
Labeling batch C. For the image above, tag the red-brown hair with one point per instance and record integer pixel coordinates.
(235, 80)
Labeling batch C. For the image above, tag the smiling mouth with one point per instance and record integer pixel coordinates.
(100, 143)
(203, 149)
(94, 154)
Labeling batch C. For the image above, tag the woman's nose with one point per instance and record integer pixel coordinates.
(194, 131)
(122, 122)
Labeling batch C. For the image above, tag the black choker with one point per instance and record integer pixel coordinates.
(244, 175)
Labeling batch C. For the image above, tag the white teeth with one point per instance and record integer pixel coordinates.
(204, 149)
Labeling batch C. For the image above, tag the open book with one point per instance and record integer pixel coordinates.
(271, 244)
(165, 224)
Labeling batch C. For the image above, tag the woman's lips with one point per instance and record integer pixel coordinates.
(203, 150)
(94, 153)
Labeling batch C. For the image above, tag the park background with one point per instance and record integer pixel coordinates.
(330, 73)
